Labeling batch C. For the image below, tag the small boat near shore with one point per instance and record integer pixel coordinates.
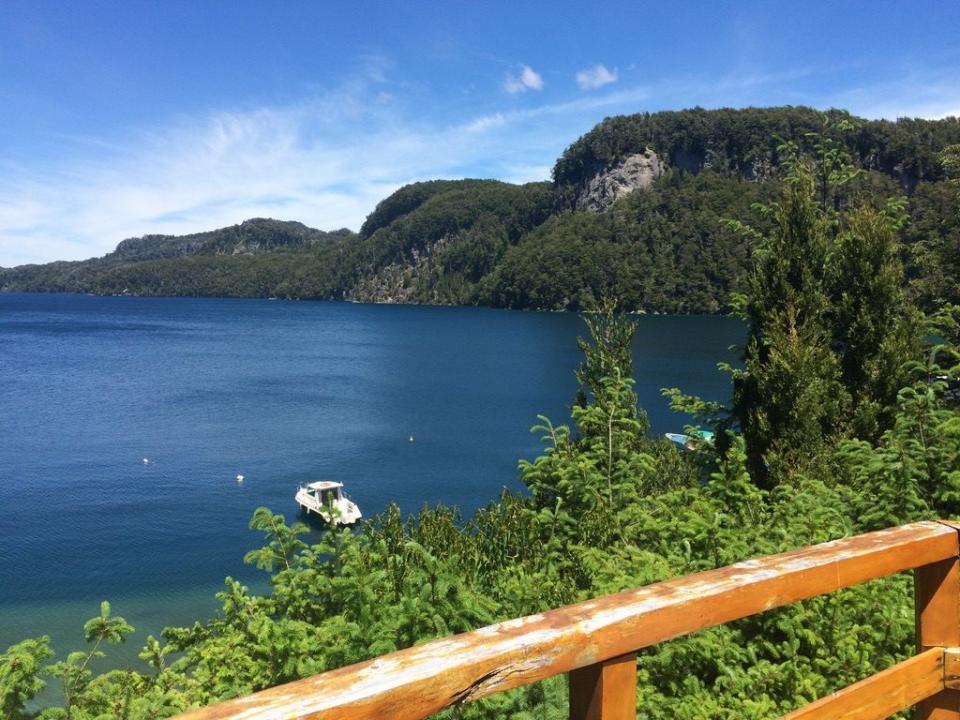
(691, 442)
(327, 499)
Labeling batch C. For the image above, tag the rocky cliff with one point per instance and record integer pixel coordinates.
(609, 185)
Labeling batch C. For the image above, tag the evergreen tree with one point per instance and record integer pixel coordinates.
(789, 397)
(20, 669)
(874, 330)
(829, 328)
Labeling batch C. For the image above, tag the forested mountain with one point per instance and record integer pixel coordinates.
(258, 235)
(638, 209)
(665, 248)
(746, 142)
(434, 242)
(256, 258)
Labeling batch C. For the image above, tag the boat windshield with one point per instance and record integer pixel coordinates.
(328, 497)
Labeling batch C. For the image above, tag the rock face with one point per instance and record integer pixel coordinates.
(608, 186)
(404, 282)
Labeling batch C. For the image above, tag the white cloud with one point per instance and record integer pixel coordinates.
(531, 78)
(528, 79)
(486, 122)
(595, 77)
(326, 162)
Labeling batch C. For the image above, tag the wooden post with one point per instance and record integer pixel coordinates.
(937, 593)
(605, 690)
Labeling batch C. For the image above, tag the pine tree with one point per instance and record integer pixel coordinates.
(829, 327)
(789, 396)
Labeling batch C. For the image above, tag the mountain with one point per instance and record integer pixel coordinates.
(435, 242)
(252, 259)
(258, 235)
(637, 210)
(746, 143)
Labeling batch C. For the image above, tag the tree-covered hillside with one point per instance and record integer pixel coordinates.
(664, 246)
(259, 235)
(257, 258)
(434, 242)
(745, 142)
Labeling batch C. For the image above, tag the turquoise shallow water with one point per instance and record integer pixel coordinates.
(280, 392)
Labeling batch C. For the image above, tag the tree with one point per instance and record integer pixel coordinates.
(789, 395)
(829, 328)
(874, 330)
(74, 673)
(20, 669)
(950, 159)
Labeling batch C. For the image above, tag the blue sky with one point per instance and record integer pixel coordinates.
(125, 118)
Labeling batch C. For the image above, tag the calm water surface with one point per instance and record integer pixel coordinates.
(279, 392)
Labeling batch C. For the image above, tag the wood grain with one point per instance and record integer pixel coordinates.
(422, 680)
(605, 691)
(881, 695)
(937, 605)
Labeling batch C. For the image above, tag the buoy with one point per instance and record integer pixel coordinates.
(411, 438)
(239, 478)
(146, 461)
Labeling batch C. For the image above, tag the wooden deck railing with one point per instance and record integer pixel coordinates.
(596, 641)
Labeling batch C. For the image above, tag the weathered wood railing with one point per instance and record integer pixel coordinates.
(596, 641)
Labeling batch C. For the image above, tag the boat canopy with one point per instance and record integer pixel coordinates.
(324, 485)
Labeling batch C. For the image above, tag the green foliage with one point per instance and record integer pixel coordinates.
(252, 237)
(932, 245)
(406, 200)
(789, 397)
(282, 543)
(86, 696)
(950, 159)
(662, 249)
(933, 237)
(873, 328)
(20, 669)
(914, 469)
(748, 142)
(829, 328)
(433, 242)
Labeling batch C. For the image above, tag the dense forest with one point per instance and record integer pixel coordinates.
(664, 245)
(747, 142)
(256, 258)
(845, 418)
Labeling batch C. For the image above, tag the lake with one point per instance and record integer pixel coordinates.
(125, 421)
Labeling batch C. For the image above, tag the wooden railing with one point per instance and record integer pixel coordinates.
(596, 641)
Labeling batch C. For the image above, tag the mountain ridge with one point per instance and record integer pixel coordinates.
(635, 210)
(250, 236)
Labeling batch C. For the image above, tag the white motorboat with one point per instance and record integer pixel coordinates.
(326, 499)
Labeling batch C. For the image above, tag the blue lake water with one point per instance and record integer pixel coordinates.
(280, 392)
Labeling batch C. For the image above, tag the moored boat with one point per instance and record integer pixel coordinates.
(691, 442)
(327, 499)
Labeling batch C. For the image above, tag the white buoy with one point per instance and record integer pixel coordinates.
(239, 478)
(411, 438)
(146, 461)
